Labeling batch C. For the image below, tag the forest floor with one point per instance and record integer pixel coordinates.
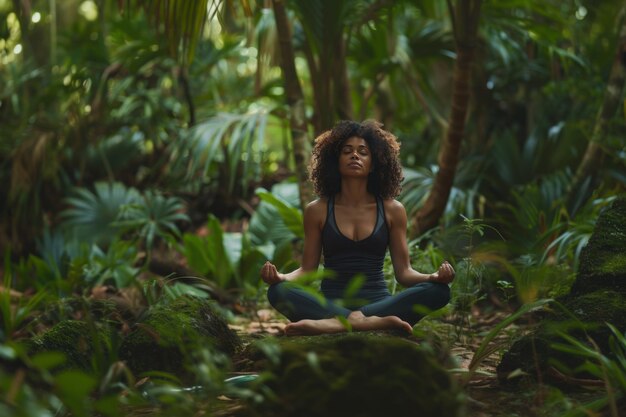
(486, 395)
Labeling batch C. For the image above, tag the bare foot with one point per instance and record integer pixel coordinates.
(313, 327)
(356, 319)
(360, 322)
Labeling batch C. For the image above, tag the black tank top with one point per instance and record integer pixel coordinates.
(346, 257)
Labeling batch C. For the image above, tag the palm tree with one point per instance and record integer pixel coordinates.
(465, 16)
(295, 100)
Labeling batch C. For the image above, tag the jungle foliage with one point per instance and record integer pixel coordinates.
(156, 151)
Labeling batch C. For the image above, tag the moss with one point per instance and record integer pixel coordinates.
(597, 298)
(598, 307)
(603, 260)
(77, 308)
(166, 338)
(79, 341)
(356, 375)
(536, 353)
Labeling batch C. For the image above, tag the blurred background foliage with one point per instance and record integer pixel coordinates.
(137, 121)
(138, 139)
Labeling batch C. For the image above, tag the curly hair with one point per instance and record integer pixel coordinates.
(386, 177)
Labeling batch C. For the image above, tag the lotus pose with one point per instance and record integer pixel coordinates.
(356, 172)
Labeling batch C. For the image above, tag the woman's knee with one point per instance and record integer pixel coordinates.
(276, 293)
(438, 293)
(442, 292)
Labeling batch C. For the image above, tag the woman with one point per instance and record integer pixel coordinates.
(356, 171)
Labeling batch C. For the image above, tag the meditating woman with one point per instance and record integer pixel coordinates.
(356, 172)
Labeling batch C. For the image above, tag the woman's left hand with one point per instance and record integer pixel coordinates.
(445, 274)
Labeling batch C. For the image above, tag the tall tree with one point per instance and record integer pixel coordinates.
(465, 16)
(295, 100)
(583, 179)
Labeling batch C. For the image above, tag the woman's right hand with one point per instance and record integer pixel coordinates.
(270, 274)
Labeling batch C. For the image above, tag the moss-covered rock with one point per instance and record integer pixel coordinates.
(603, 259)
(355, 375)
(584, 317)
(169, 334)
(596, 298)
(79, 341)
(79, 308)
(596, 308)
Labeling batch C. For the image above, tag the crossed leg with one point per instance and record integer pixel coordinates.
(310, 317)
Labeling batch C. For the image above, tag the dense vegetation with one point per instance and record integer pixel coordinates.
(153, 156)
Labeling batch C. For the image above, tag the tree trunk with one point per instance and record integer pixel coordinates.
(183, 79)
(316, 87)
(295, 100)
(326, 116)
(343, 95)
(23, 12)
(594, 154)
(465, 19)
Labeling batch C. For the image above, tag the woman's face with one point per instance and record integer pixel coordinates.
(355, 158)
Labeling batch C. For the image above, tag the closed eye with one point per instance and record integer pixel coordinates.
(363, 150)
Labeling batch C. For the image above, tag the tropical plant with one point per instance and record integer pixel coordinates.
(490, 345)
(112, 210)
(15, 310)
(610, 368)
(467, 288)
(464, 198)
(235, 142)
(229, 259)
(573, 233)
(91, 215)
(277, 220)
(288, 212)
(155, 217)
(115, 265)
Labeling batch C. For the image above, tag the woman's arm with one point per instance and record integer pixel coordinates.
(313, 218)
(399, 250)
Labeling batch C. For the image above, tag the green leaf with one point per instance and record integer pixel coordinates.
(7, 352)
(233, 246)
(74, 389)
(484, 350)
(221, 266)
(195, 250)
(180, 289)
(345, 323)
(354, 285)
(48, 360)
(291, 216)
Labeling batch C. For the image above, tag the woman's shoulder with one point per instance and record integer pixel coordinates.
(317, 207)
(317, 203)
(315, 212)
(393, 206)
(395, 213)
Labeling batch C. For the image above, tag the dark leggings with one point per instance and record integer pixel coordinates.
(411, 305)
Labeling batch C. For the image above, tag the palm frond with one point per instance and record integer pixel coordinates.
(91, 214)
(232, 139)
(156, 216)
(179, 21)
(418, 182)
